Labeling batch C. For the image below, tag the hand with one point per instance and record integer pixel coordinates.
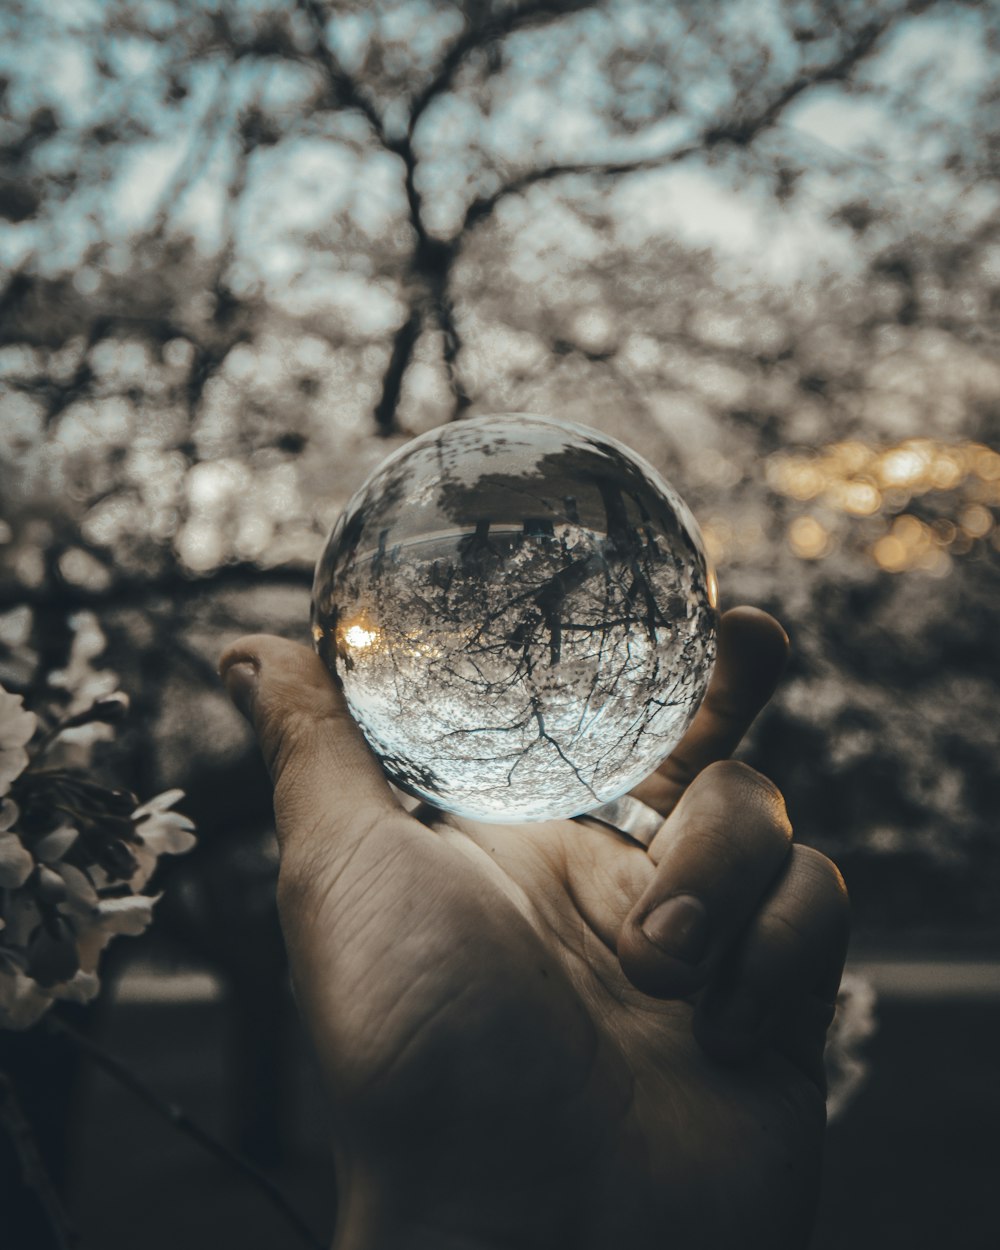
(545, 1035)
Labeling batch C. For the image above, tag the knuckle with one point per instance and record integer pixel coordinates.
(741, 778)
(750, 802)
(822, 879)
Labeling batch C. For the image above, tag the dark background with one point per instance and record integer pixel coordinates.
(248, 248)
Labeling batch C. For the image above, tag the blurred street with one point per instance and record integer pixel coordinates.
(913, 1162)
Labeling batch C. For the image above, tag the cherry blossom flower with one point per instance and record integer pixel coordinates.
(17, 727)
(75, 856)
(16, 862)
(163, 832)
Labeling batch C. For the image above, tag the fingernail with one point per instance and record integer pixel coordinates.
(240, 681)
(679, 927)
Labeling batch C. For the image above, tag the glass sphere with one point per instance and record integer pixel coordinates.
(522, 616)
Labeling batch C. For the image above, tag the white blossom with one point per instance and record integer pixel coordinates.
(163, 832)
(54, 909)
(16, 862)
(86, 685)
(16, 729)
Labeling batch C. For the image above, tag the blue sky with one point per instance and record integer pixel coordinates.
(546, 105)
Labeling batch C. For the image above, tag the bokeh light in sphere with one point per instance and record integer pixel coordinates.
(522, 616)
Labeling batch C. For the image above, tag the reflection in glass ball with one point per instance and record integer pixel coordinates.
(521, 614)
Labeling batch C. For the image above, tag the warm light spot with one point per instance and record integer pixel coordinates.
(798, 478)
(808, 538)
(946, 471)
(713, 589)
(976, 520)
(903, 466)
(317, 633)
(358, 636)
(988, 464)
(909, 530)
(857, 498)
(890, 554)
(850, 456)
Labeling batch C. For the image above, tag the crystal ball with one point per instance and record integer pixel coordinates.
(521, 614)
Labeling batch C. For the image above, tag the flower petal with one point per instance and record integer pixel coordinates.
(159, 803)
(80, 989)
(128, 915)
(16, 863)
(16, 728)
(55, 844)
(16, 724)
(80, 893)
(168, 838)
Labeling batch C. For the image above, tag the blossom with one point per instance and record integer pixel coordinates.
(88, 687)
(162, 832)
(75, 856)
(16, 861)
(17, 727)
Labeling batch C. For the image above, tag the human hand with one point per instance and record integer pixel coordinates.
(511, 1059)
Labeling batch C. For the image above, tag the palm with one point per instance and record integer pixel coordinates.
(501, 1002)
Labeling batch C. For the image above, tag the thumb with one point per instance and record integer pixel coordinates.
(329, 789)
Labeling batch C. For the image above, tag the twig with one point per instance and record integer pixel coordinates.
(32, 1168)
(182, 1121)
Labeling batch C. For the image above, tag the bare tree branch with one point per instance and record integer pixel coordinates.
(738, 131)
(474, 37)
(392, 380)
(203, 137)
(445, 313)
(483, 207)
(140, 589)
(346, 91)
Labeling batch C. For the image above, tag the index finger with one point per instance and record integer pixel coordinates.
(753, 650)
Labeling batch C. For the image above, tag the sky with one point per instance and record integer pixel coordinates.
(300, 185)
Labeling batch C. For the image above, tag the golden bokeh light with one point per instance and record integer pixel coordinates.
(976, 520)
(857, 498)
(870, 481)
(890, 554)
(913, 544)
(809, 538)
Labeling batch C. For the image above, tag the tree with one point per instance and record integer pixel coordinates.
(250, 246)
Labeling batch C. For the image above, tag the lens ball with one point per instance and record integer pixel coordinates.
(521, 614)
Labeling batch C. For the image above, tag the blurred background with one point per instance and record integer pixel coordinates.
(249, 247)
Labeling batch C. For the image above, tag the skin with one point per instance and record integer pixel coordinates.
(510, 1060)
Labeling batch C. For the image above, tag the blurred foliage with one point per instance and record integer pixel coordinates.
(249, 247)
